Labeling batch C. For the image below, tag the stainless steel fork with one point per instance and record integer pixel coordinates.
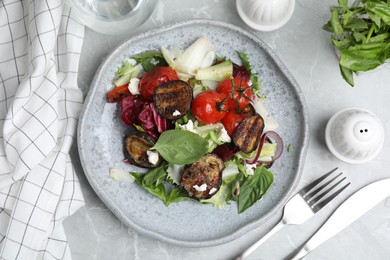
(304, 205)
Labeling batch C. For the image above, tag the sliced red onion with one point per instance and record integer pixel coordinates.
(279, 147)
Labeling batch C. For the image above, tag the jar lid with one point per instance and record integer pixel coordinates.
(354, 135)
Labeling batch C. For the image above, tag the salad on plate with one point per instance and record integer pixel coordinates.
(195, 121)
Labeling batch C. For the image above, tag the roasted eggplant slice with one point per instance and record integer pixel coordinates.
(173, 99)
(204, 177)
(136, 149)
(248, 133)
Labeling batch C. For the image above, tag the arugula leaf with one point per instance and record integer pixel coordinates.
(158, 190)
(181, 147)
(155, 176)
(220, 198)
(256, 83)
(150, 59)
(127, 66)
(254, 187)
(176, 195)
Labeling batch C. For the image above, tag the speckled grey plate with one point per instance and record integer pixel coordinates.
(187, 223)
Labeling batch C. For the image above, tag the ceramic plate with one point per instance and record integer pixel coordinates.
(187, 223)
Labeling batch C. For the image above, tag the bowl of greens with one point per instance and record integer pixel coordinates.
(361, 34)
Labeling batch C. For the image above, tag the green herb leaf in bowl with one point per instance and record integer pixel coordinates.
(361, 34)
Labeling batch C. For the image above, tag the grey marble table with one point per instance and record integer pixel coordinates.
(95, 233)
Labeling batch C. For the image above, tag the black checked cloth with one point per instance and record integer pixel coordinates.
(40, 44)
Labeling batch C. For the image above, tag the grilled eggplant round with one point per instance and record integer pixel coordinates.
(136, 146)
(204, 177)
(173, 99)
(248, 133)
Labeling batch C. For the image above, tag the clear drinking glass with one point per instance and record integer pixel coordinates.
(112, 17)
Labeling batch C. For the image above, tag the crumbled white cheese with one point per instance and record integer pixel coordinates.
(133, 86)
(212, 191)
(223, 136)
(189, 126)
(152, 156)
(202, 187)
(250, 168)
(176, 113)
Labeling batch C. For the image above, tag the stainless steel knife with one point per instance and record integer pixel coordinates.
(350, 210)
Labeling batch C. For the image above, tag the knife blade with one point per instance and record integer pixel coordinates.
(350, 210)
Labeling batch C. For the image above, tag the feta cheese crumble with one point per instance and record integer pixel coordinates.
(202, 187)
(189, 126)
(176, 113)
(223, 136)
(133, 86)
(250, 168)
(152, 156)
(212, 191)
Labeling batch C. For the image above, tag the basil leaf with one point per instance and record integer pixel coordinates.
(150, 59)
(347, 75)
(335, 22)
(327, 27)
(380, 9)
(365, 57)
(342, 44)
(254, 187)
(343, 3)
(356, 24)
(380, 38)
(375, 18)
(181, 147)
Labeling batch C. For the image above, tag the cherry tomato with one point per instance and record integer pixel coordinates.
(232, 120)
(242, 93)
(209, 107)
(154, 78)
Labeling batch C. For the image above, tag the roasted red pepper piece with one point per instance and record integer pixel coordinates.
(118, 93)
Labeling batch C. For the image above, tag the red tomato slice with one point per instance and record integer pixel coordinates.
(239, 96)
(154, 78)
(209, 107)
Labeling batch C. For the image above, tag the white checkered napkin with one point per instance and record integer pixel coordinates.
(40, 46)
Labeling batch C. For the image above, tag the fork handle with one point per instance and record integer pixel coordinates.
(253, 247)
(298, 254)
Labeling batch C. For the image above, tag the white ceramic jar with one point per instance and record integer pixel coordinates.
(265, 15)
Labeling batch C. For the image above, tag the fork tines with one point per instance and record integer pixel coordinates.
(323, 190)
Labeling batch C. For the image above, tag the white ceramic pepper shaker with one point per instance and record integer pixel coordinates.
(265, 15)
(354, 135)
